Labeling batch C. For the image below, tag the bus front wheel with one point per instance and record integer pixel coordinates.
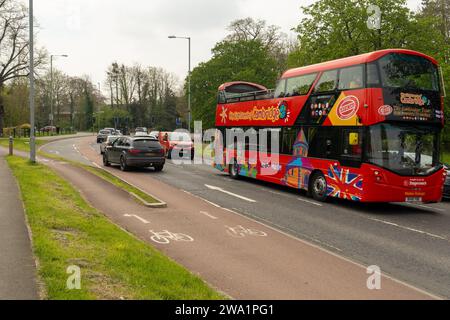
(318, 187)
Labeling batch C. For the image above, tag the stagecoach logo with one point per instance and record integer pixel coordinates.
(348, 108)
(417, 99)
(385, 110)
(415, 183)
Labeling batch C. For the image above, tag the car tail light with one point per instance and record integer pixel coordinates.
(134, 151)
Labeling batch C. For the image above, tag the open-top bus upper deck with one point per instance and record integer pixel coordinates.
(385, 85)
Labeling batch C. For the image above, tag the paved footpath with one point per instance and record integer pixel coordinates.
(17, 266)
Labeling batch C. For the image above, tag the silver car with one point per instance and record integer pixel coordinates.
(108, 142)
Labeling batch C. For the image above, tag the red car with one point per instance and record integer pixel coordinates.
(177, 143)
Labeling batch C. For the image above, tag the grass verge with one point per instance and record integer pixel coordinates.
(22, 144)
(67, 231)
(120, 183)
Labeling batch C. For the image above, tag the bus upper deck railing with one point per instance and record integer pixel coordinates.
(227, 97)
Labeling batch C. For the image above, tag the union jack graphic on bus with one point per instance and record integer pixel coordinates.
(343, 184)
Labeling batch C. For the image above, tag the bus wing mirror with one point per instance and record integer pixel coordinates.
(353, 138)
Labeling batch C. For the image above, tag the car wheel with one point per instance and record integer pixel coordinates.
(159, 167)
(234, 170)
(318, 187)
(123, 164)
(106, 163)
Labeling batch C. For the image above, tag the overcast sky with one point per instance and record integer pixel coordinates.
(94, 33)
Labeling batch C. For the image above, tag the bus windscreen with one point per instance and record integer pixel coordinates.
(408, 72)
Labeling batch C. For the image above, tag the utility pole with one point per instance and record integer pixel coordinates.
(32, 124)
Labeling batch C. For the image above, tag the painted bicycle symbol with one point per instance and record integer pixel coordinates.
(165, 236)
(240, 232)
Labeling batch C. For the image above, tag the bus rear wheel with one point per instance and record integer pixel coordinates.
(318, 187)
(234, 170)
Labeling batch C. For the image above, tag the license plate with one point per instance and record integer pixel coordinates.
(413, 199)
(150, 154)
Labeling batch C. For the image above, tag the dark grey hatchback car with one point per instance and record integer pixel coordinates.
(135, 152)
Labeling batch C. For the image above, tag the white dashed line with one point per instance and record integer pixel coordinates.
(208, 215)
(310, 202)
(426, 207)
(409, 229)
(229, 193)
(137, 217)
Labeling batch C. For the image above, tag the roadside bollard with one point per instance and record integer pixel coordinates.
(10, 145)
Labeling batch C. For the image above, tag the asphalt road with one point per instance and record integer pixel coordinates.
(409, 242)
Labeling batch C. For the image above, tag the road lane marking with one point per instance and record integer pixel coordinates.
(207, 201)
(240, 232)
(409, 229)
(137, 217)
(284, 231)
(311, 202)
(426, 207)
(229, 193)
(208, 215)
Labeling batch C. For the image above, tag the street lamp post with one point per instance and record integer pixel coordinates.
(189, 78)
(51, 84)
(32, 129)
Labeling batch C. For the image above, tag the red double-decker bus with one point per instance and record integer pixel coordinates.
(363, 128)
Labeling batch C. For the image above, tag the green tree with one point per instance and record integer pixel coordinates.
(242, 60)
(339, 28)
(335, 29)
(435, 16)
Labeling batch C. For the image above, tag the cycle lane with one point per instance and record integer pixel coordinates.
(247, 266)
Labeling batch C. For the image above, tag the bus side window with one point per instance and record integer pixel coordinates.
(251, 144)
(323, 142)
(373, 77)
(280, 91)
(351, 78)
(327, 82)
(288, 139)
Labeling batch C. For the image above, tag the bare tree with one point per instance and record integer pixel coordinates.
(249, 29)
(276, 42)
(14, 47)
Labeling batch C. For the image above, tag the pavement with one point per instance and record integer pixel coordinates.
(17, 264)
(236, 254)
(68, 136)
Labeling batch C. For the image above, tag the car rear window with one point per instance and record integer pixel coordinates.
(146, 143)
(105, 132)
(112, 139)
